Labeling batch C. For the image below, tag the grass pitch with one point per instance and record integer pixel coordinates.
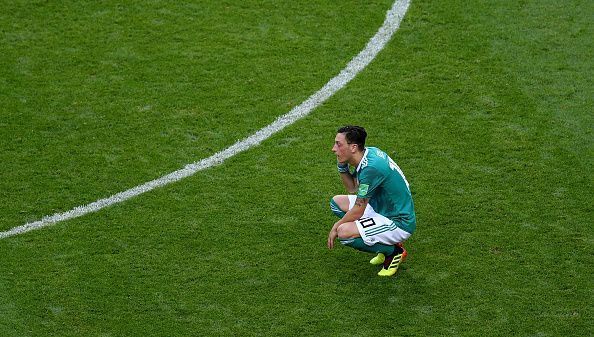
(486, 106)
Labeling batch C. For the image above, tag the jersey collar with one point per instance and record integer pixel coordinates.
(363, 159)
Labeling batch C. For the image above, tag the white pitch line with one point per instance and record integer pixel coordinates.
(392, 22)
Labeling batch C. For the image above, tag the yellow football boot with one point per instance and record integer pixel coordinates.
(392, 262)
(378, 259)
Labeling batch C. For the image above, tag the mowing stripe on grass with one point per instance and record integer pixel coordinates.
(393, 18)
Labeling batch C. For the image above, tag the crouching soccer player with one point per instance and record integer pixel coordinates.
(381, 215)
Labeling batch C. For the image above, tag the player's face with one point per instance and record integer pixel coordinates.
(341, 148)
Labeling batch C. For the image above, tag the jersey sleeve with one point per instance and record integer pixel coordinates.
(369, 180)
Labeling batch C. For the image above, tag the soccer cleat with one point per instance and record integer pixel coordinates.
(392, 262)
(378, 259)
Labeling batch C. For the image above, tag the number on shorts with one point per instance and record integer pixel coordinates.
(367, 222)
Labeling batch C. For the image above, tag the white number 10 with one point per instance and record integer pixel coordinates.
(395, 167)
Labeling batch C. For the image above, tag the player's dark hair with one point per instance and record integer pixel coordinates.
(354, 135)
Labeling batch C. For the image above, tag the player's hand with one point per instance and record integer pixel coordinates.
(331, 237)
(342, 167)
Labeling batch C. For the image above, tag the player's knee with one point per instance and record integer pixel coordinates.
(342, 201)
(336, 208)
(348, 231)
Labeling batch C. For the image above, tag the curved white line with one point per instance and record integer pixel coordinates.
(392, 22)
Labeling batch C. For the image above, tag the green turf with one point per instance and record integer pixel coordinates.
(486, 106)
(99, 97)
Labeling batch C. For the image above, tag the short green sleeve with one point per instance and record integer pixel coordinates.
(369, 180)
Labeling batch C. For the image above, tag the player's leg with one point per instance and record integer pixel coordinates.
(380, 258)
(349, 235)
(392, 262)
(379, 229)
(339, 205)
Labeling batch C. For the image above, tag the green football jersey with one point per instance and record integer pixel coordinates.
(383, 183)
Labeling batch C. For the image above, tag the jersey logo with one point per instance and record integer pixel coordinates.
(364, 162)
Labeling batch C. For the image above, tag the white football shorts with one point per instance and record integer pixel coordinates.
(376, 228)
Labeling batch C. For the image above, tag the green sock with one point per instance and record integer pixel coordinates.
(359, 244)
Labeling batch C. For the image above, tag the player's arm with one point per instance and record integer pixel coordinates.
(356, 212)
(348, 180)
